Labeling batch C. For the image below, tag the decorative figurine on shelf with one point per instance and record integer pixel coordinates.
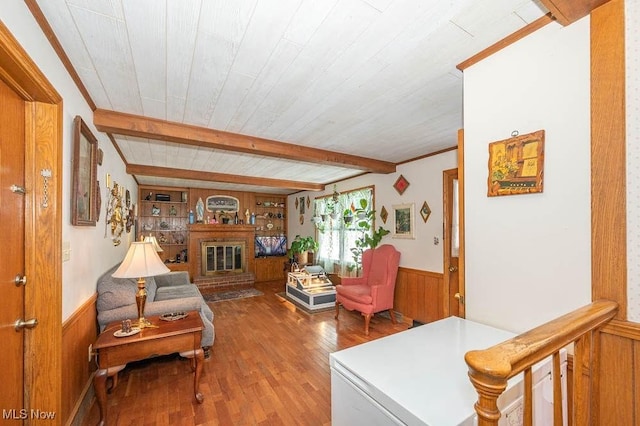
(148, 197)
(173, 211)
(199, 210)
(162, 239)
(155, 210)
(247, 215)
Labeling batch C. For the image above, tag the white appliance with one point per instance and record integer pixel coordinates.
(419, 377)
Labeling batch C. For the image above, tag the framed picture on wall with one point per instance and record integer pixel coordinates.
(516, 165)
(84, 175)
(404, 221)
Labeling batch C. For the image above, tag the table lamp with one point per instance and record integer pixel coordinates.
(153, 240)
(141, 261)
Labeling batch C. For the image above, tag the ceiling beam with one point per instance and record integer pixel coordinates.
(568, 11)
(152, 128)
(167, 172)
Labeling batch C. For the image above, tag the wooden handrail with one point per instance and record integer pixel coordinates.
(490, 369)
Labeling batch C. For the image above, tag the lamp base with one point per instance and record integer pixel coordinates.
(143, 323)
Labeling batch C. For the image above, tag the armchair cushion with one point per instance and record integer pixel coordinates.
(356, 293)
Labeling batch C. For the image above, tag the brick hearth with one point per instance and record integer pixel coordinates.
(223, 282)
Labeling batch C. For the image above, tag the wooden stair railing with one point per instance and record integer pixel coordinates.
(490, 369)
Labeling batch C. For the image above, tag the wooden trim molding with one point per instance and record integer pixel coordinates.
(629, 330)
(21, 74)
(461, 227)
(507, 41)
(57, 47)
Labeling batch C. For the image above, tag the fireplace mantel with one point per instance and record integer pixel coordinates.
(219, 227)
(219, 232)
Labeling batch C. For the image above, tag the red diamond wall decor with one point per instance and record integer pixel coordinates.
(401, 184)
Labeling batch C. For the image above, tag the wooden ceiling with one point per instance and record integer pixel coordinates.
(274, 96)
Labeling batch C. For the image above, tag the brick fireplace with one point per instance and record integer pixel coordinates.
(223, 237)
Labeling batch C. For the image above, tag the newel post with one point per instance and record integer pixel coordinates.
(489, 389)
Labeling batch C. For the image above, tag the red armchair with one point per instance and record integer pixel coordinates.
(373, 291)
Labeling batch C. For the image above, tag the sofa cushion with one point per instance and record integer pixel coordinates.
(116, 292)
(177, 292)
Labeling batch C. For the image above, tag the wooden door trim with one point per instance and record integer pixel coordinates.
(446, 245)
(461, 213)
(43, 225)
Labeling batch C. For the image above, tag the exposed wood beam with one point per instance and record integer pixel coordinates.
(167, 172)
(151, 128)
(567, 12)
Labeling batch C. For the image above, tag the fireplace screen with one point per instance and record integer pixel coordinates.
(219, 257)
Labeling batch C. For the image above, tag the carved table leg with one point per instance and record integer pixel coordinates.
(199, 359)
(100, 387)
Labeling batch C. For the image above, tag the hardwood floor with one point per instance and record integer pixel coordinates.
(269, 365)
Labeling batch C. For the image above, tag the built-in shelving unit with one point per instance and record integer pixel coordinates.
(271, 212)
(164, 213)
(271, 226)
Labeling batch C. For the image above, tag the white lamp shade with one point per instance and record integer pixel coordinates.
(152, 239)
(141, 261)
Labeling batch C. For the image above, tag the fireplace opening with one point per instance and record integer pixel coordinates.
(223, 257)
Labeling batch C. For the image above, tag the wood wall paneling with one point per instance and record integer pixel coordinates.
(418, 295)
(615, 381)
(78, 332)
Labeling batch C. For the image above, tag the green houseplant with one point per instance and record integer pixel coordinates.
(300, 246)
(364, 222)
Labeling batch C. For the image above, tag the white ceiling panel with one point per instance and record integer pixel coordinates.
(370, 78)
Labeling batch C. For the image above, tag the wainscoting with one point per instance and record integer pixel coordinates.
(418, 295)
(78, 332)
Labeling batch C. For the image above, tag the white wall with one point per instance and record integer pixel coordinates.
(91, 252)
(632, 27)
(425, 184)
(528, 256)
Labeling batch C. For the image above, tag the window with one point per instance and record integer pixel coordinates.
(335, 238)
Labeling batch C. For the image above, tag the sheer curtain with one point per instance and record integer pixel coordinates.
(336, 238)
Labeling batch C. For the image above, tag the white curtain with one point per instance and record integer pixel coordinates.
(336, 238)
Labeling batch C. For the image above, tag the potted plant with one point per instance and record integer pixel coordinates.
(365, 221)
(347, 216)
(300, 247)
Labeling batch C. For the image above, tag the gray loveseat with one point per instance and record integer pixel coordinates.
(166, 293)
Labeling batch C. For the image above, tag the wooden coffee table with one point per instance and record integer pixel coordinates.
(113, 353)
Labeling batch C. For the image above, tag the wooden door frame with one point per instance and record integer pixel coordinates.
(43, 224)
(447, 239)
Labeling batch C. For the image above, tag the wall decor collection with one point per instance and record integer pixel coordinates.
(516, 165)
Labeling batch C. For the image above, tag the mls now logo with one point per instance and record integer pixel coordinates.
(24, 414)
